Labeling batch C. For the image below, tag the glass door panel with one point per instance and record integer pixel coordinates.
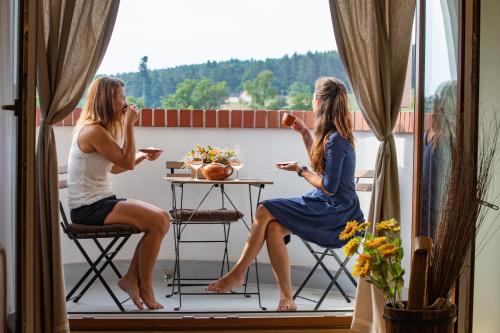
(440, 96)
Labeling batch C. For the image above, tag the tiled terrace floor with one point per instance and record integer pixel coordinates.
(97, 300)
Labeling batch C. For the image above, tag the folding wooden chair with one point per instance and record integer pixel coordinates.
(118, 234)
(324, 253)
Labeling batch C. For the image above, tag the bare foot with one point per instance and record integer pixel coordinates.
(148, 297)
(286, 305)
(132, 289)
(226, 283)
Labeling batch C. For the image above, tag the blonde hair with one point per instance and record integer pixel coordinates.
(99, 106)
(332, 115)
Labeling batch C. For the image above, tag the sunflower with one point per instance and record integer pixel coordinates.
(349, 231)
(375, 242)
(389, 225)
(362, 266)
(351, 247)
(388, 250)
(363, 226)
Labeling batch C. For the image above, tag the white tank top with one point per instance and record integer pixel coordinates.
(88, 176)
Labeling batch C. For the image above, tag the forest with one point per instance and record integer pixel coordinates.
(285, 82)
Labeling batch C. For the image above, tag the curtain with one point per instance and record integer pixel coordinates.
(72, 39)
(373, 39)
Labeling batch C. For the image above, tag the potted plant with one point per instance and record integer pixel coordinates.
(213, 162)
(379, 263)
(436, 264)
(379, 257)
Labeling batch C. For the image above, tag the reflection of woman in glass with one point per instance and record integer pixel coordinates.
(318, 216)
(436, 156)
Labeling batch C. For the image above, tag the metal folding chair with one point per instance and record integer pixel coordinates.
(324, 253)
(320, 257)
(118, 234)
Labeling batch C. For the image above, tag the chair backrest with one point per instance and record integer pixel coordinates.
(367, 177)
(62, 170)
(177, 170)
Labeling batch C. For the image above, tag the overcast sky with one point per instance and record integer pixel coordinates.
(178, 32)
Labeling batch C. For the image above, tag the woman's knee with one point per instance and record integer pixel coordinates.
(274, 229)
(160, 223)
(262, 214)
(164, 222)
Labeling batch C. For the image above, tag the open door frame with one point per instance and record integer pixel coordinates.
(25, 166)
(467, 113)
(468, 97)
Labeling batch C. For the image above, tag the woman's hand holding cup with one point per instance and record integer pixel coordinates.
(299, 126)
(296, 124)
(132, 112)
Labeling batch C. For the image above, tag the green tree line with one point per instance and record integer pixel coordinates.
(213, 81)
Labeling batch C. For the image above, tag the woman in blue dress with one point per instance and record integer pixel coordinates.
(318, 216)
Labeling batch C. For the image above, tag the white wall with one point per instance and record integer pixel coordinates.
(487, 265)
(260, 148)
(7, 141)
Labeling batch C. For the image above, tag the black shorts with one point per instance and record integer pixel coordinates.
(95, 213)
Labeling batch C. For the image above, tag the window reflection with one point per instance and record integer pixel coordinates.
(440, 93)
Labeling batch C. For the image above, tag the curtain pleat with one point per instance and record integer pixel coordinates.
(72, 39)
(373, 39)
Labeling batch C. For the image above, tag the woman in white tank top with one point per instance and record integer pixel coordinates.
(106, 120)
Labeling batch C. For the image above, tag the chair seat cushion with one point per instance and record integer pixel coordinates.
(107, 230)
(206, 215)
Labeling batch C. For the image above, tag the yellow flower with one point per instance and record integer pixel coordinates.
(388, 250)
(363, 226)
(351, 247)
(214, 151)
(375, 242)
(389, 225)
(363, 265)
(349, 231)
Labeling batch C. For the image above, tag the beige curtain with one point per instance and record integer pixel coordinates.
(72, 38)
(373, 39)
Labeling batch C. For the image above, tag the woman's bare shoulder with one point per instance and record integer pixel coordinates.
(92, 135)
(93, 129)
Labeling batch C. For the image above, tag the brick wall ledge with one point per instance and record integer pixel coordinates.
(234, 119)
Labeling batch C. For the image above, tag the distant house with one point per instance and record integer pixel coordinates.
(238, 97)
(233, 98)
(245, 97)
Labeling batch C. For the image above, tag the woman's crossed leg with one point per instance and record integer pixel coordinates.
(265, 227)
